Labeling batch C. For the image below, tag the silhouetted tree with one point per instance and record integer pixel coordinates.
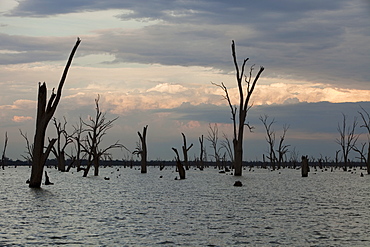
(3, 157)
(141, 149)
(270, 138)
(347, 139)
(213, 139)
(45, 111)
(96, 129)
(243, 107)
(201, 161)
(59, 150)
(29, 148)
(185, 151)
(179, 166)
(283, 148)
(365, 116)
(226, 144)
(78, 130)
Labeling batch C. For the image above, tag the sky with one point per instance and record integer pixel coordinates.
(153, 63)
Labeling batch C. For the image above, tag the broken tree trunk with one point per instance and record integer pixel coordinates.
(45, 111)
(96, 165)
(3, 158)
(305, 168)
(179, 165)
(144, 151)
(185, 151)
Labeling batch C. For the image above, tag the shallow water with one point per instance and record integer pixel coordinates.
(277, 208)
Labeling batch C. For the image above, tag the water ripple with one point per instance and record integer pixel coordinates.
(134, 209)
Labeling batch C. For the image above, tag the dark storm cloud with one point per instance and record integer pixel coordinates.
(167, 10)
(321, 41)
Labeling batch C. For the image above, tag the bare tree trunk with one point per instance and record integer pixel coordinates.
(3, 158)
(61, 162)
(179, 165)
(185, 151)
(96, 165)
(143, 151)
(305, 167)
(201, 163)
(45, 111)
(347, 139)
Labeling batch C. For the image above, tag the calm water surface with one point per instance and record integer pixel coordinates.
(277, 208)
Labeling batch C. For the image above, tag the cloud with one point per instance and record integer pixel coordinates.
(19, 119)
(323, 42)
(152, 62)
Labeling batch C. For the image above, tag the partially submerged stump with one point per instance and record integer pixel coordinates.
(238, 183)
(305, 167)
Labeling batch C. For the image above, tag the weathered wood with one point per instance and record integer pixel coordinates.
(45, 111)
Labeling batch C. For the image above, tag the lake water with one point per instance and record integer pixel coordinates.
(277, 208)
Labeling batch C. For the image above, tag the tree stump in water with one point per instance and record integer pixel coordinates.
(305, 168)
(238, 184)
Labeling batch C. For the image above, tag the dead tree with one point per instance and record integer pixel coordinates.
(141, 149)
(361, 152)
(185, 151)
(3, 157)
(45, 111)
(213, 139)
(201, 161)
(29, 148)
(244, 98)
(283, 149)
(78, 130)
(365, 116)
(226, 144)
(270, 138)
(347, 139)
(179, 165)
(96, 129)
(59, 150)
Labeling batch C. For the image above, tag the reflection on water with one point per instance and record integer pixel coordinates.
(134, 209)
